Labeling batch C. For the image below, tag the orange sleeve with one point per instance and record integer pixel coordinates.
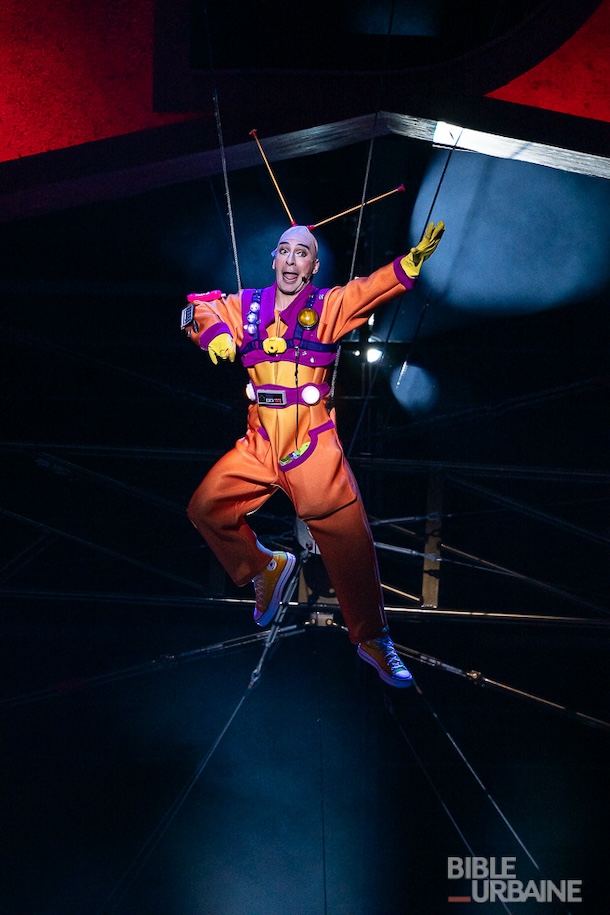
(213, 314)
(348, 307)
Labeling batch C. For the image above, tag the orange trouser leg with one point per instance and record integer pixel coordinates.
(347, 550)
(243, 480)
(235, 486)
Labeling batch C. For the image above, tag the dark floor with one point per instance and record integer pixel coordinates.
(170, 787)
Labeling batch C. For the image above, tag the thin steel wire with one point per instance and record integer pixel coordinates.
(333, 381)
(123, 886)
(433, 786)
(472, 772)
(420, 321)
(221, 147)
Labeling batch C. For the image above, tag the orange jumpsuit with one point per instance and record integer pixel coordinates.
(290, 442)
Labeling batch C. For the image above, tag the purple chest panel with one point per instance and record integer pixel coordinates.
(301, 317)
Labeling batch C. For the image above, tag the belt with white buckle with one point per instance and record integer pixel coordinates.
(277, 397)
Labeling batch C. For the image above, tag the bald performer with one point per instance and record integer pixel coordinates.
(287, 336)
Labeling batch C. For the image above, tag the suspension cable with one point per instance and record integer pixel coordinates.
(227, 192)
(333, 382)
(221, 147)
(392, 710)
(420, 319)
(445, 806)
(149, 845)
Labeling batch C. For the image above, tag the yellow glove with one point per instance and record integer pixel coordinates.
(412, 262)
(222, 346)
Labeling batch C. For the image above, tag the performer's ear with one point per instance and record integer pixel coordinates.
(316, 267)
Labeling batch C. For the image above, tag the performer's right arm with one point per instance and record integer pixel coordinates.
(211, 320)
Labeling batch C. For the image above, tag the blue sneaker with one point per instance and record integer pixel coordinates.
(270, 586)
(381, 654)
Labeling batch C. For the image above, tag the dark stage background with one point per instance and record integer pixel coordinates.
(142, 772)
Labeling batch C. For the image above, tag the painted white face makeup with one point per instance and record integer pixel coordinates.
(295, 260)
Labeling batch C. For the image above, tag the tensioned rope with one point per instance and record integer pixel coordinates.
(123, 885)
(470, 768)
(227, 191)
(333, 381)
(394, 318)
(221, 147)
(434, 787)
(147, 848)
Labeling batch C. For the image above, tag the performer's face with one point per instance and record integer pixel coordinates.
(295, 263)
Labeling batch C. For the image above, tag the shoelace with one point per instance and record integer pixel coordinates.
(388, 650)
(259, 587)
(259, 581)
